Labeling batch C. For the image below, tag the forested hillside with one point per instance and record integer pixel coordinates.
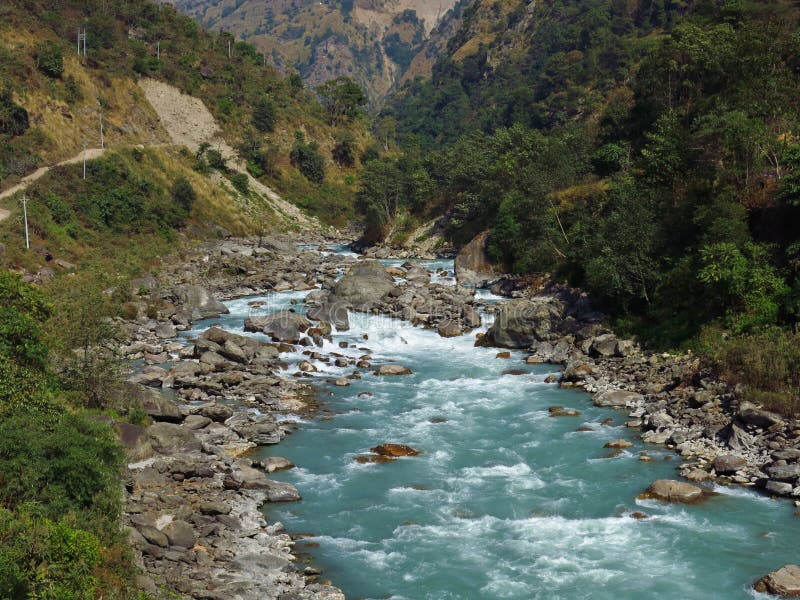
(647, 151)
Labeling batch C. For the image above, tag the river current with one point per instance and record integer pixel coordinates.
(505, 501)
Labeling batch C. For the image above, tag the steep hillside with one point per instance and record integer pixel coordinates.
(647, 151)
(372, 41)
(54, 100)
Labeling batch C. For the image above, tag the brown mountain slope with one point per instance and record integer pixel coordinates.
(372, 41)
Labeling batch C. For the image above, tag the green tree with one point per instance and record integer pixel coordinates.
(344, 149)
(183, 194)
(306, 156)
(343, 97)
(50, 59)
(265, 115)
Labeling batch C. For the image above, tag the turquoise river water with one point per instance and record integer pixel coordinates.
(504, 501)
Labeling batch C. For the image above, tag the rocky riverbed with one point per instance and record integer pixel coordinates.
(193, 495)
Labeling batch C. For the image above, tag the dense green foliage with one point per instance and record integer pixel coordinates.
(647, 151)
(343, 98)
(307, 157)
(59, 472)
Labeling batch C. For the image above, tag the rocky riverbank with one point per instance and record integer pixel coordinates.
(194, 496)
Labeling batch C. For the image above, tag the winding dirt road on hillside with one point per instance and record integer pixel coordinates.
(91, 153)
(188, 123)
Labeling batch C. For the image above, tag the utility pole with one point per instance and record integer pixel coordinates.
(82, 40)
(102, 140)
(229, 49)
(25, 217)
(84, 159)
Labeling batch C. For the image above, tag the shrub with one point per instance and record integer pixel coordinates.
(265, 115)
(13, 118)
(766, 364)
(66, 464)
(183, 194)
(44, 558)
(241, 183)
(344, 151)
(50, 59)
(308, 159)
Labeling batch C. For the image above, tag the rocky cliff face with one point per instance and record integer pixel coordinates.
(372, 41)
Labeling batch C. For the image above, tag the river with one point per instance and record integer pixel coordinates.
(505, 501)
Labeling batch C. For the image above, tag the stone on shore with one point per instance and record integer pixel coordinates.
(728, 463)
(668, 490)
(283, 326)
(199, 302)
(617, 399)
(784, 582)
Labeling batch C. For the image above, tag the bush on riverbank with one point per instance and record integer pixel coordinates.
(766, 365)
(60, 492)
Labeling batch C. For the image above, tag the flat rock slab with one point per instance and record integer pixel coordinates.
(668, 490)
(393, 370)
(617, 399)
(784, 582)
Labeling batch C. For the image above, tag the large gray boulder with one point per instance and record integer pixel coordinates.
(617, 399)
(167, 438)
(668, 490)
(752, 414)
(156, 405)
(331, 312)
(364, 286)
(784, 582)
(524, 322)
(199, 302)
(472, 264)
(238, 348)
(283, 326)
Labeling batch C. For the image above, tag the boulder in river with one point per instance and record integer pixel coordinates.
(364, 286)
(669, 490)
(283, 326)
(394, 450)
(784, 582)
(472, 264)
(393, 370)
(199, 302)
(522, 323)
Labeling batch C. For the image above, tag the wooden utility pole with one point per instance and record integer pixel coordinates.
(84, 159)
(229, 49)
(102, 140)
